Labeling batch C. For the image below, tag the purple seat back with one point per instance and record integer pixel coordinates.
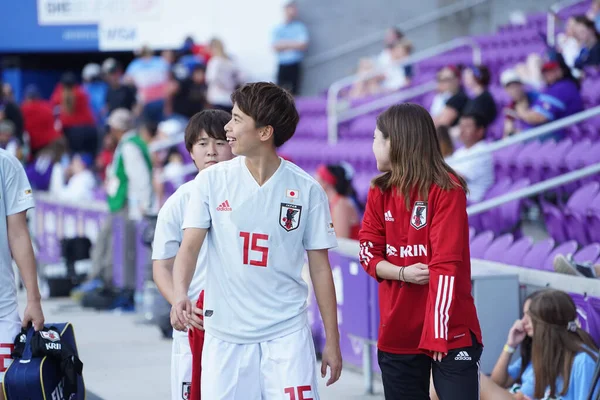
(569, 247)
(593, 317)
(471, 233)
(554, 222)
(582, 197)
(514, 255)
(480, 243)
(538, 253)
(581, 303)
(496, 250)
(588, 254)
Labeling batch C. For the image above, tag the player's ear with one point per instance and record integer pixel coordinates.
(266, 133)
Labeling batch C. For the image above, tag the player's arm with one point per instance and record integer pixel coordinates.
(449, 220)
(162, 274)
(18, 199)
(167, 238)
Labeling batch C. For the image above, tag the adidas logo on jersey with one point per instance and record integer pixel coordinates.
(388, 216)
(462, 356)
(224, 206)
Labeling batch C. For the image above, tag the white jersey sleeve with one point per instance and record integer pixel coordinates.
(16, 193)
(319, 233)
(168, 234)
(197, 213)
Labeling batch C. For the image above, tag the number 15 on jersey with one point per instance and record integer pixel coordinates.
(255, 243)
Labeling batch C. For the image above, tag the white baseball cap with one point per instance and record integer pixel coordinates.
(510, 76)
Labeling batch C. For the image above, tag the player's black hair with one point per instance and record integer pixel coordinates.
(210, 121)
(269, 105)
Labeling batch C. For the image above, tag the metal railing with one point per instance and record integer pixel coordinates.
(407, 26)
(336, 87)
(528, 134)
(552, 17)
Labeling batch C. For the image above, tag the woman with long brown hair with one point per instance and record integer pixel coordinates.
(415, 241)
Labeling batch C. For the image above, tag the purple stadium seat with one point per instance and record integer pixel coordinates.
(575, 212)
(593, 219)
(515, 253)
(488, 220)
(495, 252)
(480, 244)
(554, 221)
(566, 248)
(510, 213)
(588, 254)
(538, 253)
(593, 314)
(553, 161)
(471, 233)
(581, 302)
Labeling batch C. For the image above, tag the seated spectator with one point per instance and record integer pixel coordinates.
(567, 44)
(39, 121)
(477, 170)
(531, 71)
(565, 264)
(452, 98)
(336, 180)
(8, 141)
(520, 97)
(118, 95)
(222, 77)
(476, 80)
(75, 115)
(76, 182)
(367, 85)
(557, 360)
(396, 75)
(446, 144)
(392, 36)
(589, 41)
(593, 13)
(559, 99)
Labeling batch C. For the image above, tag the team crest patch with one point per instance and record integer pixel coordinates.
(289, 216)
(186, 390)
(418, 218)
(50, 335)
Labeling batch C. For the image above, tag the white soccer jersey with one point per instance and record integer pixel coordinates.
(15, 197)
(168, 236)
(256, 242)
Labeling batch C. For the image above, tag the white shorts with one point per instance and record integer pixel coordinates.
(10, 326)
(280, 369)
(181, 366)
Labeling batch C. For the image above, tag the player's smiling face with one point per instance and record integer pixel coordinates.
(208, 151)
(242, 134)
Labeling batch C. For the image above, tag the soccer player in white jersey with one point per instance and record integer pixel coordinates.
(206, 142)
(15, 243)
(258, 214)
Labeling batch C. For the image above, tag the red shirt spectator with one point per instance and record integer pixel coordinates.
(39, 120)
(74, 104)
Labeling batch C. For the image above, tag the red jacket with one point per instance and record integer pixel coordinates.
(421, 318)
(39, 123)
(82, 114)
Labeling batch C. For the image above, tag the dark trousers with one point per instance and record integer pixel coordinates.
(288, 77)
(456, 377)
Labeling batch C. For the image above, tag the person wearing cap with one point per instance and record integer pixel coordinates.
(96, 88)
(39, 121)
(290, 41)
(519, 96)
(560, 98)
(128, 187)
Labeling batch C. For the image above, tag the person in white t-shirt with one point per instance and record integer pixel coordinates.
(15, 243)
(258, 215)
(206, 142)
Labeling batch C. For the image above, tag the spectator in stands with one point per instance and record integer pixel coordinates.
(397, 76)
(290, 41)
(567, 44)
(75, 115)
(346, 210)
(118, 95)
(8, 141)
(530, 71)
(559, 99)
(9, 110)
(477, 80)
(558, 361)
(392, 36)
(449, 103)
(150, 75)
(594, 13)
(95, 87)
(446, 144)
(368, 84)
(222, 77)
(565, 264)
(76, 182)
(477, 170)
(105, 157)
(519, 97)
(39, 121)
(129, 192)
(589, 41)
(187, 93)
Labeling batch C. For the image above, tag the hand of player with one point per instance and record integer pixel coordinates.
(417, 273)
(183, 311)
(516, 335)
(332, 358)
(196, 318)
(437, 356)
(34, 315)
(175, 321)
